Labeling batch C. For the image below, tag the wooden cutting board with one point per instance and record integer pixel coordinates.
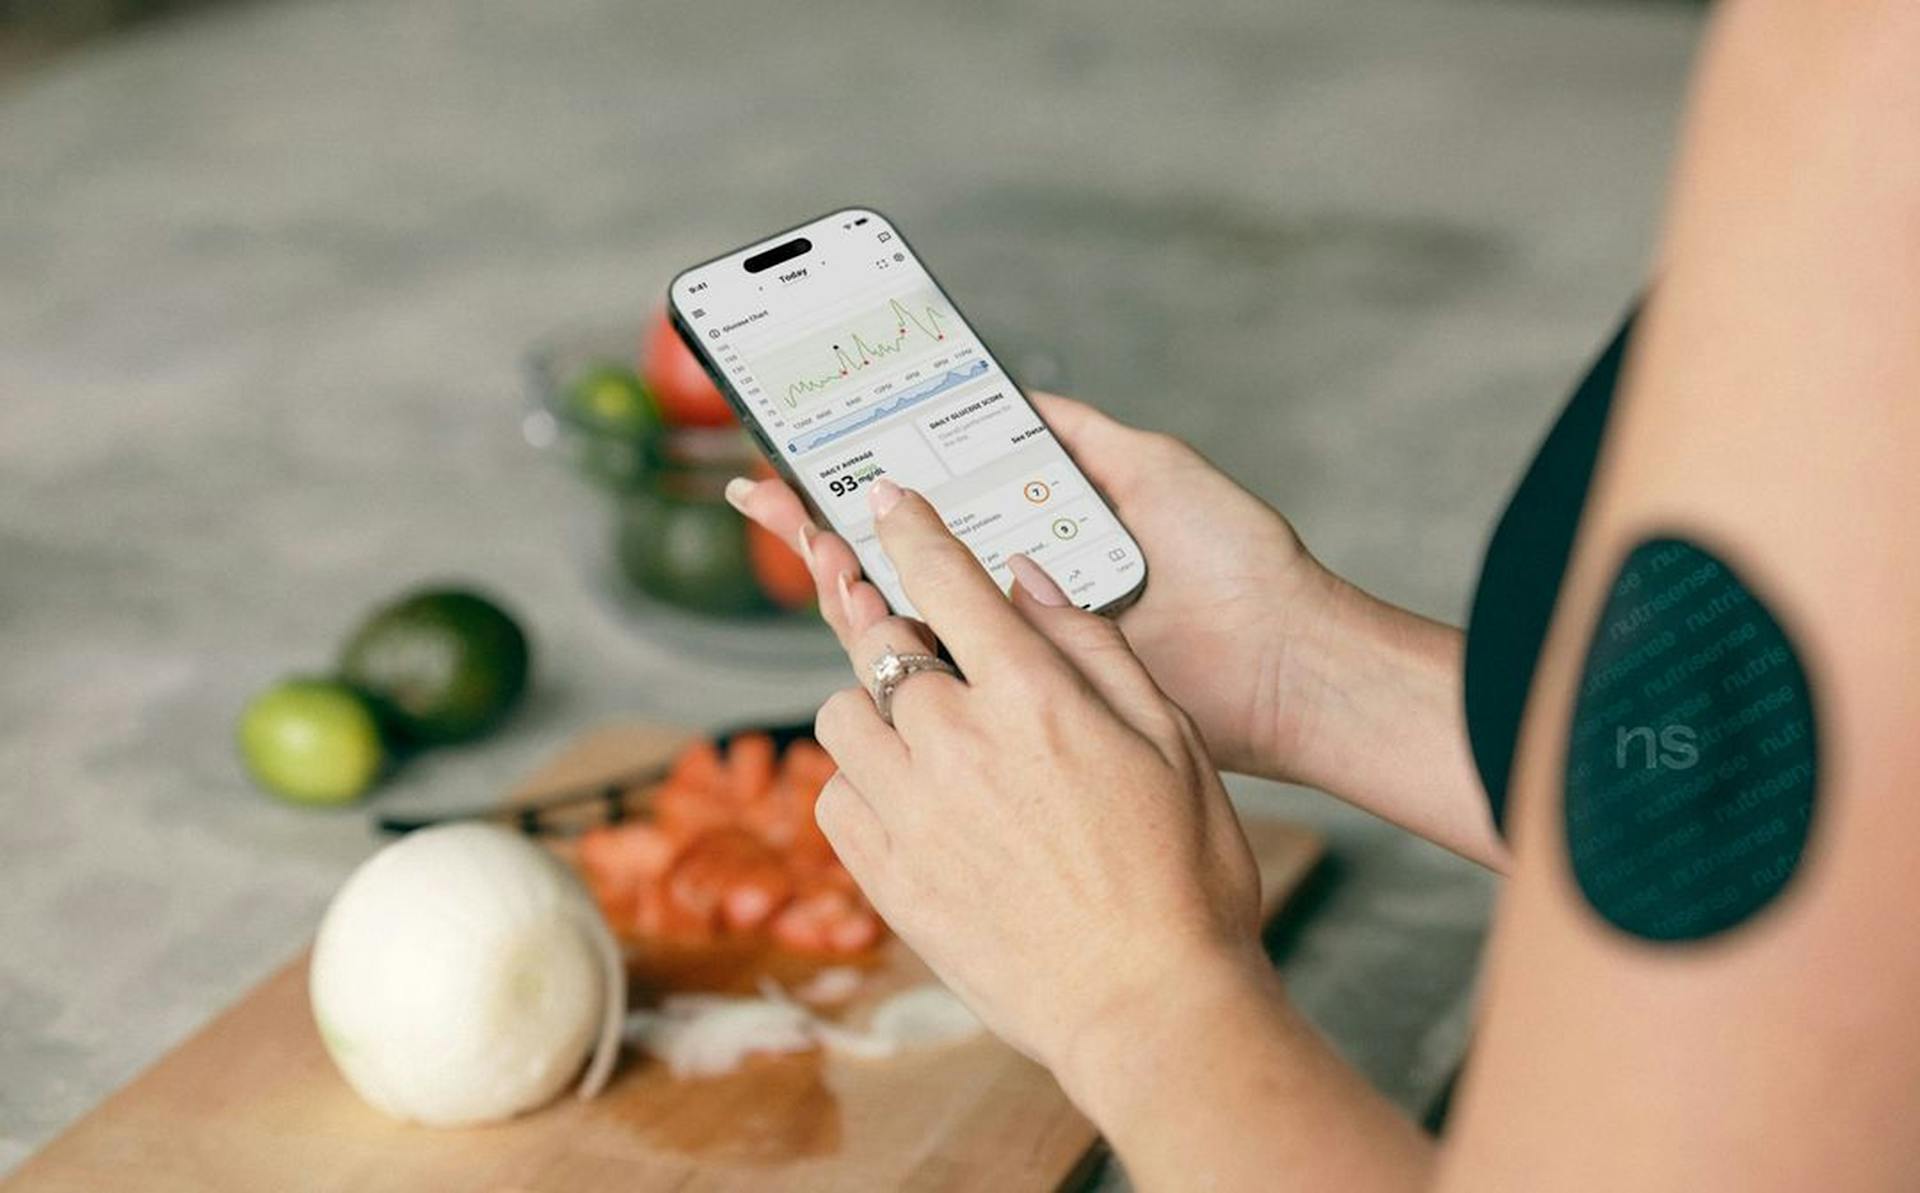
(253, 1103)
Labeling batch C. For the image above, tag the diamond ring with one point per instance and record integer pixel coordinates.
(891, 670)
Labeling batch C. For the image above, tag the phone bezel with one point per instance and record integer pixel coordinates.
(748, 420)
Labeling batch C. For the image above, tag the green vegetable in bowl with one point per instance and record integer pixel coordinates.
(689, 552)
(618, 423)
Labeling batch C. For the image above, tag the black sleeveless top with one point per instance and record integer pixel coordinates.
(1687, 665)
(1520, 576)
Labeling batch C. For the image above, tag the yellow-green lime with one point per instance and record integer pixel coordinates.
(611, 398)
(618, 426)
(312, 741)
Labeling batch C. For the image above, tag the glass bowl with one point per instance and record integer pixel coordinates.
(657, 543)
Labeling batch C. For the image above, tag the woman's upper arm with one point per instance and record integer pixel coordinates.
(1771, 418)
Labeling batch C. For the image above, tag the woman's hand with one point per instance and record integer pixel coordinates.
(1230, 594)
(1048, 833)
(1288, 671)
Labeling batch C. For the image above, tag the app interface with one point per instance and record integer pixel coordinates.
(856, 366)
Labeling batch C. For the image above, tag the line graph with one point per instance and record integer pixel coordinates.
(894, 334)
(866, 417)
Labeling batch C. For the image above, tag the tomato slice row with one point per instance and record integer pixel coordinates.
(732, 850)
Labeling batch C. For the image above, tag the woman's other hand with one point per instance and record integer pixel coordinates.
(1287, 670)
(1048, 833)
(1230, 587)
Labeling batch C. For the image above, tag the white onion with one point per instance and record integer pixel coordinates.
(705, 1035)
(462, 975)
(929, 1016)
(830, 987)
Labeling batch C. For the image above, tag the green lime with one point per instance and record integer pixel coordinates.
(312, 741)
(618, 423)
(688, 552)
(441, 666)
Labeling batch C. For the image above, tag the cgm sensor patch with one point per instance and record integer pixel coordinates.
(1692, 758)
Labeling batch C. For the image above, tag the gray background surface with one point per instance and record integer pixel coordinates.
(266, 275)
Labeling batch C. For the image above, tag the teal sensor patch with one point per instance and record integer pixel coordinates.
(1691, 765)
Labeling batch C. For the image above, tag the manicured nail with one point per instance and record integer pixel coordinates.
(736, 492)
(807, 531)
(883, 496)
(844, 583)
(1032, 577)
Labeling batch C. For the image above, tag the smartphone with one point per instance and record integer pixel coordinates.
(847, 362)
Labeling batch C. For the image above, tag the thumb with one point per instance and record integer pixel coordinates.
(1099, 444)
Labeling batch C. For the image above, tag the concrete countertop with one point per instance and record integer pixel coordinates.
(266, 276)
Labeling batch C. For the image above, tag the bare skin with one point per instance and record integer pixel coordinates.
(1051, 835)
(1288, 671)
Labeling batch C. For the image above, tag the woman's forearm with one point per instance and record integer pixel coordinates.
(1220, 1084)
(1372, 712)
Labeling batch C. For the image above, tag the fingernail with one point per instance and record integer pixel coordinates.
(844, 584)
(736, 492)
(1032, 577)
(884, 496)
(807, 531)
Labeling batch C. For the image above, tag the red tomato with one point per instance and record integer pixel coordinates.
(757, 892)
(778, 569)
(697, 765)
(703, 881)
(685, 811)
(827, 920)
(856, 933)
(657, 917)
(751, 760)
(686, 396)
(619, 860)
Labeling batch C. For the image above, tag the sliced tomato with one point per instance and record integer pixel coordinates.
(656, 916)
(751, 763)
(714, 864)
(756, 893)
(627, 854)
(618, 860)
(698, 765)
(772, 817)
(827, 918)
(808, 765)
(801, 928)
(855, 932)
(732, 849)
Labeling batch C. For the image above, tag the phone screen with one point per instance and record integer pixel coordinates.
(849, 362)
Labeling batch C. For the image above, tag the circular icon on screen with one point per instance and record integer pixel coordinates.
(1065, 528)
(1037, 492)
